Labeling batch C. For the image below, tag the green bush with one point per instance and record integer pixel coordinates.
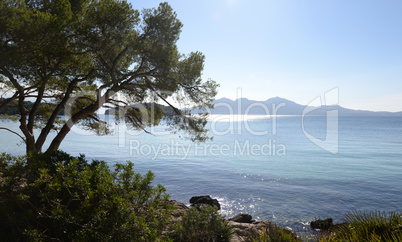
(372, 226)
(202, 224)
(274, 233)
(365, 226)
(46, 197)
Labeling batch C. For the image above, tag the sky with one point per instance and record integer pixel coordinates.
(297, 49)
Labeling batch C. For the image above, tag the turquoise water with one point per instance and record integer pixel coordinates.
(280, 176)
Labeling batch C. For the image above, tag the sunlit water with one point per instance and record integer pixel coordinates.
(265, 167)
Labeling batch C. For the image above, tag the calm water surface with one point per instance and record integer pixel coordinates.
(263, 167)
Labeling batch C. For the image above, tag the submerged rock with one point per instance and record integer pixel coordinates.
(198, 201)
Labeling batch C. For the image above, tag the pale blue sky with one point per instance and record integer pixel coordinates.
(298, 49)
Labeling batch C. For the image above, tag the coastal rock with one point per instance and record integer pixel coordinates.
(175, 217)
(177, 214)
(322, 224)
(242, 218)
(243, 226)
(178, 205)
(243, 231)
(198, 201)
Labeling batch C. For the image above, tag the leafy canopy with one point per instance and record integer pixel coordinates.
(81, 55)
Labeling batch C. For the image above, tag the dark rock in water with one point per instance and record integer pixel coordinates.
(242, 218)
(195, 198)
(198, 201)
(322, 224)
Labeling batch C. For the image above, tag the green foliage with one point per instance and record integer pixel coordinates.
(48, 197)
(372, 226)
(82, 55)
(12, 108)
(202, 224)
(363, 227)
(274, 233)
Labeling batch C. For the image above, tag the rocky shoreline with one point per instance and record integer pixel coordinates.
(243, 224)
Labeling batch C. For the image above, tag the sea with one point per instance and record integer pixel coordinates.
(286, 169)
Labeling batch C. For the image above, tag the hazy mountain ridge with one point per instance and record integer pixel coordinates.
(282, 106)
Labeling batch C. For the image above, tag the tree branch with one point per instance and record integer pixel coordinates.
(134, 76)
(35, 107)
(176, 110)
(45, 131)
(47, 96)
(117, 101)
(138, 122)
(7, 101)
(116, 60)
(9, 130)
(96, 119)
(54, 145)
(29, 138)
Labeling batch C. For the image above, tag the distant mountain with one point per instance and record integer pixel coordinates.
(282, 106)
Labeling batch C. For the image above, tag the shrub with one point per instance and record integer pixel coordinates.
(274, 233)
(365, 226)
(372, 226)
(46, 197)
(202, 224)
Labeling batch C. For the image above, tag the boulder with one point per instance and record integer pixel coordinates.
(198, 201)
(243, 231)
(242, 218)
(322, 224)
(178, 205)
(178, 212)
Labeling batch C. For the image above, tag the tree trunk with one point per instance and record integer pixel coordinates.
(75, 118)
(30, 146)
(58, 139)
(45, 131)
